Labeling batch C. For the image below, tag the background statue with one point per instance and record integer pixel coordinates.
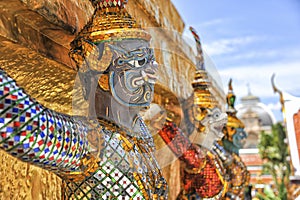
(233, 141)
(204, 162)
(108, 154)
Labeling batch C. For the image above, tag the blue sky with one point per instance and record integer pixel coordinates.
(248, 41)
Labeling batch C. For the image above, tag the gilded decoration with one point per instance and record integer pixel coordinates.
(47, 29)
(107, 153)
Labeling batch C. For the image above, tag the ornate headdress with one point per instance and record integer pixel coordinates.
(110, 22)
(233, 121)
(201, 84)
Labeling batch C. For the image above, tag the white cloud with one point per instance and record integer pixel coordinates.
(213, 22)
(265, 54)
(276, 109)
(256, 54)
(226, 46)
(274, 106)
(259, 78)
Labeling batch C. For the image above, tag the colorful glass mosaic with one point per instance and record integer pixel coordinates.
(124, 169)
(36, 134)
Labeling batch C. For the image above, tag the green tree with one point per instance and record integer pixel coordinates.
(274, 151)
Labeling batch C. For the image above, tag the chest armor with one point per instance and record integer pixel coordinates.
(126, 169)
(207, 181)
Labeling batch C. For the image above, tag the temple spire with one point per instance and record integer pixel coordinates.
(276, 90)
(249, 89)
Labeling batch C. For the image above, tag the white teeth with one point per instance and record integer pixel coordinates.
(151, 81)
(143, 74)
(140, 82)
(151, 76)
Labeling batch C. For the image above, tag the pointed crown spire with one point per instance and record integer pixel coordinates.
(201, 83)
(233, 121)
(100, 4)
(111, 21)
(199, 57)
(230, 98)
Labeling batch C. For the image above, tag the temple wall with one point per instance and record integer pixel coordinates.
(34, 45)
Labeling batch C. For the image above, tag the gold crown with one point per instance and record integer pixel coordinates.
(202, 95)
(233, 121)
(110, 22)
(231, 126)
(201, 84)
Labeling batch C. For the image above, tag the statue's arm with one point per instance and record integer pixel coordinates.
(180, 145)
(36, 134)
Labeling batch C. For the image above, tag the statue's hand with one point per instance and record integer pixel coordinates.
(223, 154)
(155, 117)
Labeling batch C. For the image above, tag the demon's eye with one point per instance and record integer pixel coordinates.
(132, 62)
(216, 115)
(138, 63)
(142, 62)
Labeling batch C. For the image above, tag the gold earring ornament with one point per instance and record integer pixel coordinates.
(104, 82)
